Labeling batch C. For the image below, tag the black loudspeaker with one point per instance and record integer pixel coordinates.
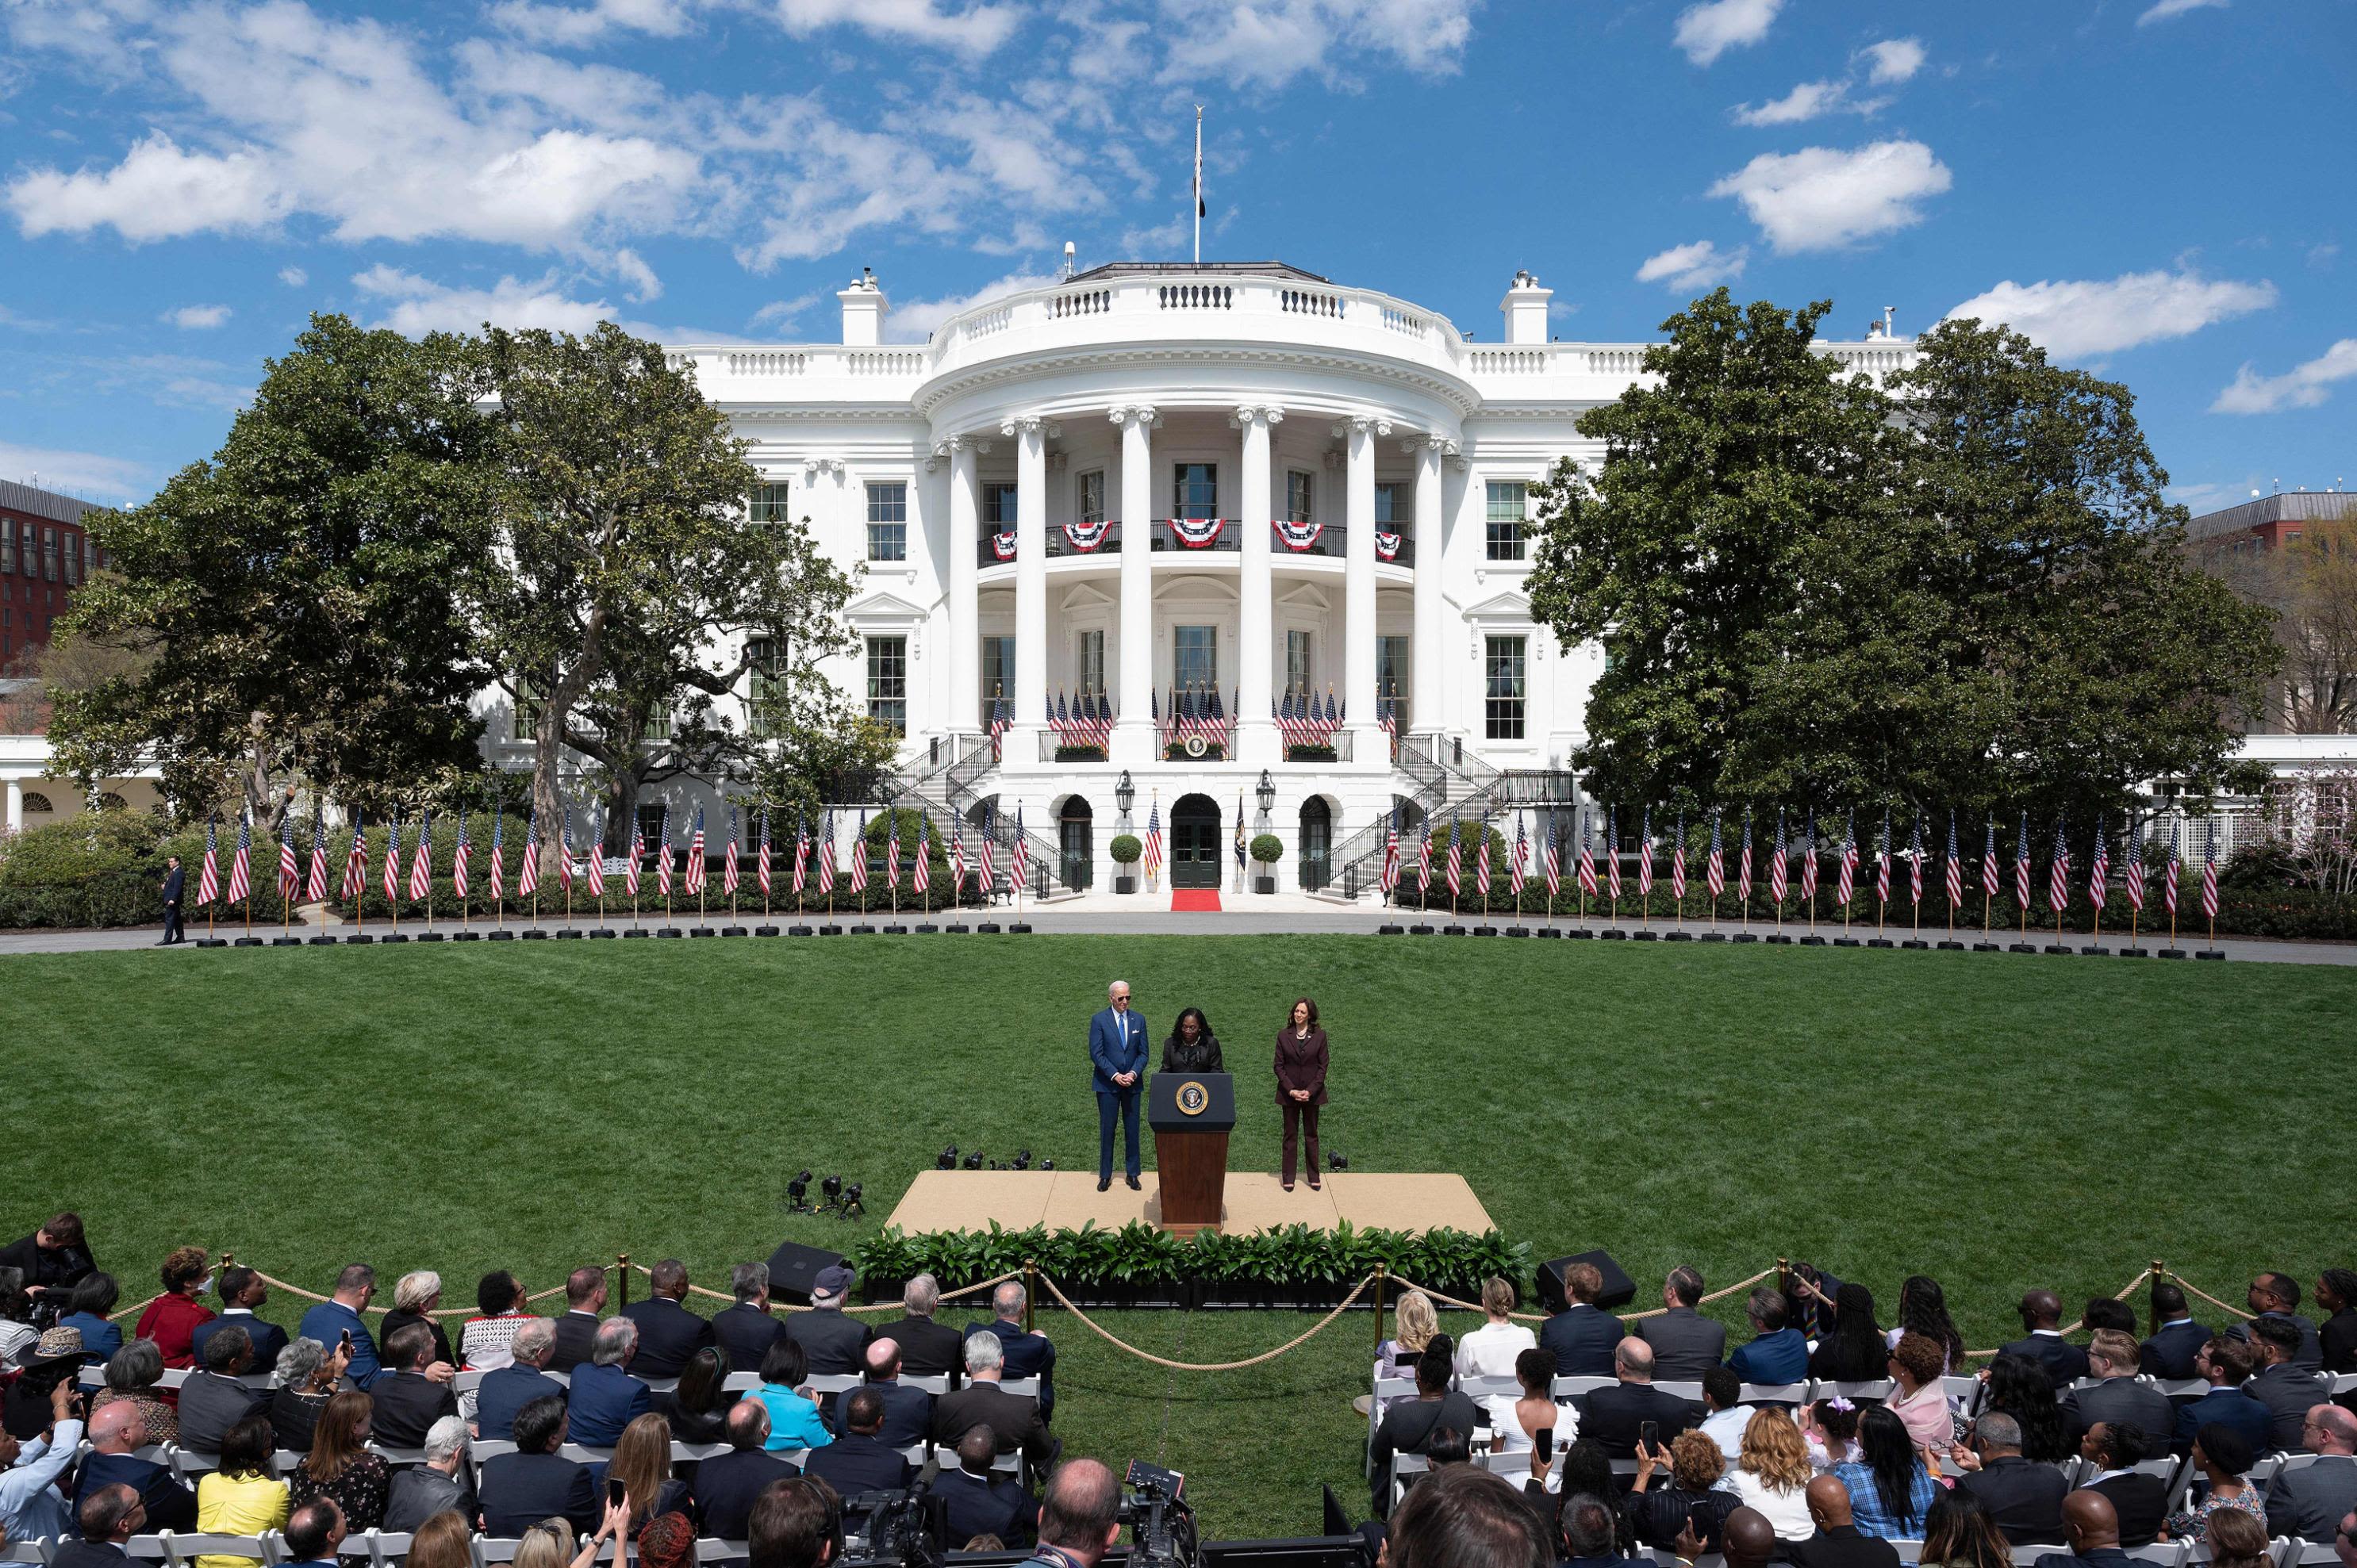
(794, 1269)
(1620, 1290)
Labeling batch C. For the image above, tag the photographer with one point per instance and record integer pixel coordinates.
(31, 1505)
(54, 1257)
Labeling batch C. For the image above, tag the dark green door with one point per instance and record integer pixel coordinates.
(1195, 842)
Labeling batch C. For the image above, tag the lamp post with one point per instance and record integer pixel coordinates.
(1268, 792)
(1124, 794)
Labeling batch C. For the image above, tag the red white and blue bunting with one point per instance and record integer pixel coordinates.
(1387, 546)
(1196, 532)
(1003, 546)
(1297, 536)
(1088, 537)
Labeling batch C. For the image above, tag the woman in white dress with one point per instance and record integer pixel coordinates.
(1772, 1474)
(1492, 1349)
(1515, 1429)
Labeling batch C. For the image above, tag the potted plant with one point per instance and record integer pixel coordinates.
(1266, 851)
(1125, 851)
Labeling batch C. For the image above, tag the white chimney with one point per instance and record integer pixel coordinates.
(862, 311)
(1525, 309)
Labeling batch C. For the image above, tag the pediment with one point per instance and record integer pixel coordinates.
(882, 606)
(1500, 606)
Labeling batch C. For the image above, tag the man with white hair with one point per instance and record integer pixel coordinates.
(424, 1490)
(1117, 1064)
(1023, 1353)
(745, 1330)
(507, 1390)
(1013, 1418)
(928, 1349)
(605, 1397)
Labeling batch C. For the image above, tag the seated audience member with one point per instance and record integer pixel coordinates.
(2093, 1532)
(87, 1309)
(1410, 1427)
(2285, 1389)
(1959, 1533)
(1415, 1326)
(1013, 1418)
(507, 1390)
(796, 1524)
(1923, 1309)
(907, 1411)
(668, 1332)
(1776, 1354)
(2139, 1502)
(1829, 1431)
(414, 1297)
(2272, 1296)
(54, 1258)
(114, 1431)
(1920, 1399)
(213, 1400)
(244, 1296)
(605, 1397)
(340, 1317)
(726, 1484)
(2042, 1341)
(1583, 1334)
(1685, 1343)
(2238, 1541)
(1462, 1516)
(1837, 1541)
(1890, 1488)
(32, 1378)
(2021, 1386)
(1750, 1540)
(793, 1415)
(2223, 1455)
(859, 1460)
(928, 1349)
(1725, 1414)
(442, 1540)
(666, 1540)
(500, 1308)
(2307, 1500)
(109, 1516)
(1516, 1423)
(16, 1330)
(2226, 1364)
(2108, 1312)
(2024, 1498)
(422, 1491)
(1592, 1531)
(1658, 1515)
(641, 1463)
(172, 1316)
(577, 1330)
(535, 1482)
(1022, 1352)
(975, 1502)
(1490, 1350)
(2117, 1396)
(2336, 1337)
(31, 1508)
(829, 1337)
(241, 1498)
(341, 1467)
(2169, 1350)
(742, 1330)
(1617, 1414)
(306, 1380)
(314, 1531)
(697, 1408)
(408, 1403)
(1854, 1352)
(1771, 1474)
(134, 1375)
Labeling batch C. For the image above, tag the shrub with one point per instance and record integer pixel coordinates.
(1126, 849)
(1267, 849)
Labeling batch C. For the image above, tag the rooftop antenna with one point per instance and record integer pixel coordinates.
(1199, 185)
(1070, 263)
(1890, 324)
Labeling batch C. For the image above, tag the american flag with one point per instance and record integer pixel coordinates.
(1519, 872)
(826, 853)
(499, 854)
(761, 861)
(1847, 885)
(421, 859)
(997, 723)
(662, 853)
(1154, 841)
(2134, 868)
(2057, 873)
(564, 850)
(290, 872)
(2209, 874)
(1678, 862)
(595, 861)
(316, 888)
(2176, 854)
(1882, 862)
(957, 855)
(1776, 871)
(1587, 870)
(892, 851)
(1809, 861)
(1552, 859)
(1645, 853)
(2099, 869)
(528, 857)
(1715, 874)
(1956, 869)
(1743, 862)
(1915, 859)
(1455, 858)
(857, 880)
(1988, 861)
(1391, 853)
(355, 865)
(638, 853)
(920, 876)
(239, 884)
(728, 860)
(209, 879)
(1481, 862)
(801, 851)
(1611, 851)
(1022, 872)
(459, 862)
(1423, 858)
(988, 880)
(2022, 864)
(392, 859)
(694, 881)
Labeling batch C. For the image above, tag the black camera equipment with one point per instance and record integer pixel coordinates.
(1161, 1523)
(900, 1529)
(798, 1195)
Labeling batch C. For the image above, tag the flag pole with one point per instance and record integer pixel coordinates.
(1988, 894)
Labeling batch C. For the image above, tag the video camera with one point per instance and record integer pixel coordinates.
(1161, 1523)
(902, 1529)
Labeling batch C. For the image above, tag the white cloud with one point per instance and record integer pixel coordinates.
(90, 475)
(2168, 8)
(914, 321)
(1822, 198)
(1893, 60)
(2302, 386)
(639, 277)
(1269, 42)
(1708, 30)
(1700, 265)
(785, 312)
(571, 26)
(418, 305)
(971, 29)
(293, 277)
(2074, 318)
(196, 317)
(1887, 64)
(1806, 102)
(157, 192)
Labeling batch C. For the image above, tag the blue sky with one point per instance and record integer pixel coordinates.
(2158, 190)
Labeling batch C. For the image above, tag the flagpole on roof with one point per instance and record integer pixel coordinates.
(1199, 185)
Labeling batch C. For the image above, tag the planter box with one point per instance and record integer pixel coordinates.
(1264, 884)
(1080, 754)
(1125, 884)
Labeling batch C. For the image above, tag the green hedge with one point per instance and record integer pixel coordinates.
(104, 870)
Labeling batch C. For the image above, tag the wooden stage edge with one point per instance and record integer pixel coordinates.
(1062, 1201)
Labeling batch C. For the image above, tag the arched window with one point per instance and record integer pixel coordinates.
(1076, 842)
(35, 802)
(110, 801)
(1317, 844)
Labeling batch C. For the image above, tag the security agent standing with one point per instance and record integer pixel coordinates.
(1117, 1063)
(173, 878)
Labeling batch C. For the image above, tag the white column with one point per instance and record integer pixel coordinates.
(1133, 740)
(1424, 648)
(16, 805)
(1256, 594)
(1359, 582)
(1030, 434)
(965, 624)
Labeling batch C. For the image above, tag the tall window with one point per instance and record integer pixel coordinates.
(1091, 671)
(1390, 507)
(662, 719)
(1298, 675)
(49, 554)
(1392, 675)
(1296, 496)
(887, 521)
(1195, 490)
(1506, 507)
(73, 561)
(765, 704)
(887, 683)
(7, 544)
(998, 505)
(527, 710)
(997, 672)
(1502, 665)
(769, 503)
(1195, 658)
(1093, 497)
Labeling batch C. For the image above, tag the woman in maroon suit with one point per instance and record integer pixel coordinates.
(1301, 1082)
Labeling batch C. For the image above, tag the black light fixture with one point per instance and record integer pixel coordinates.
(832, 1187)
(1047, 1165)
(947, 1159)
(1124, 794)
(798, 1193)
(851, 1203)
(1337, 1160)
(974, 1161)
(1267, 791)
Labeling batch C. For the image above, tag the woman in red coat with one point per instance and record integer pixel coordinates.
(1301, 1082)
(171, 1317)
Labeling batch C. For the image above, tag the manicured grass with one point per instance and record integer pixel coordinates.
(1996, 1122)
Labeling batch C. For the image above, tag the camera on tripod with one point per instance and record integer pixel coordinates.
(1161, 1523)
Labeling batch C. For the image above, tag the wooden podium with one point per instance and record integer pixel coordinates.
(1192, 1114)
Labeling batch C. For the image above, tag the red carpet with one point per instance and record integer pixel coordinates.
(1184, 900)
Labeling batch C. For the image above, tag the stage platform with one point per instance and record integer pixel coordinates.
(1059, 1201)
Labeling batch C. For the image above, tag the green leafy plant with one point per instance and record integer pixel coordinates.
(1125, 849)
(1267, 849)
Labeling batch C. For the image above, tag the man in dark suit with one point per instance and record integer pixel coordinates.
(726, 1484)
(109, 1516)
(55, 1258)
(976, 1503)
(605, 1397)
(534, 1483)
(928, 1349)
(175, 884)
(2138, 1501)
(1582, 1335)
(1839, 1542)
(1777, 1354)
(1117, 1073)
(668, 1335)
(1409, 1425)
(421, 1491)
(2272, 1296)
(2308, 1501)
(2024, 1499)
(2094, 1529)
(2226, 1364)
(1015, 1418)
(313, 1533)
(2117, 1397)
(907, 1411)
(1685, 1343)
(408, 1403)
(835, 1343)
(114, 1430)
(243, 1295)
(507, 1390)
(2065, 1363)
(2283, 1388)
(744, 1329)
(1617, 1415)
(213, 1401)
(2170, 1349)
(584, 1298)
(1022, 1354)
(860, 1461)
(1591, 1529)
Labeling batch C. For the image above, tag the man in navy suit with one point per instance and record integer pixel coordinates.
(175, 880)
(114, 1430)
(2170, 1351)
(2064, 1362)
(907, 1409)
(726, 1484)
(605, 1397)
(1022, 1352)
(1117, 1063)
(859, 1461)
(974, 1503)
(243, 1295)
(669, 1334)
(507, 1390)
(2227, 1364)
(1582, 1335)
(745, 1330)
(535, 1482)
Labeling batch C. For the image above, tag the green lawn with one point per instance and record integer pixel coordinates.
(1997, 1122)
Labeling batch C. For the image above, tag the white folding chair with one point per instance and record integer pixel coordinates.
(660, 1385)
(1572, 1388)
(684, 1453)
(188, 1463)
(1908, 1551)
(934, 1383)
(1876, 1389)
(38, 1550)
(1690, 1392)
(1027, 1387)
(489, 1549)
(741, 1382)
(487, 1448)
(831, 1382)
(2182, 1388)
(712, 1548)
(2342, 1383)
(1776, 1393)
(582, 1454)
(2298, 1554)
(466, 1384)
(398, 1458)
(1965, 1393)
(2166, 1553)
(1403, 1466)
(179, 1550)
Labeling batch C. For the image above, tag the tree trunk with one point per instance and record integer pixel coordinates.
(547, 731)
(621, 808)
(258, 803)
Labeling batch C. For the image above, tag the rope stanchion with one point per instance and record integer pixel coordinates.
(135, 1311)
(2205, 1296)
(2120, 1295)
(1111, 1339)
(1407, 1284)
(990, 1283)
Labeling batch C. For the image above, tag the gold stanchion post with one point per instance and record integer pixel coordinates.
(1030, 1292)
(621, 1280)
(1381, 1272)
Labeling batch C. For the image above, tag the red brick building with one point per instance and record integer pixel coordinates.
(45, 556)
